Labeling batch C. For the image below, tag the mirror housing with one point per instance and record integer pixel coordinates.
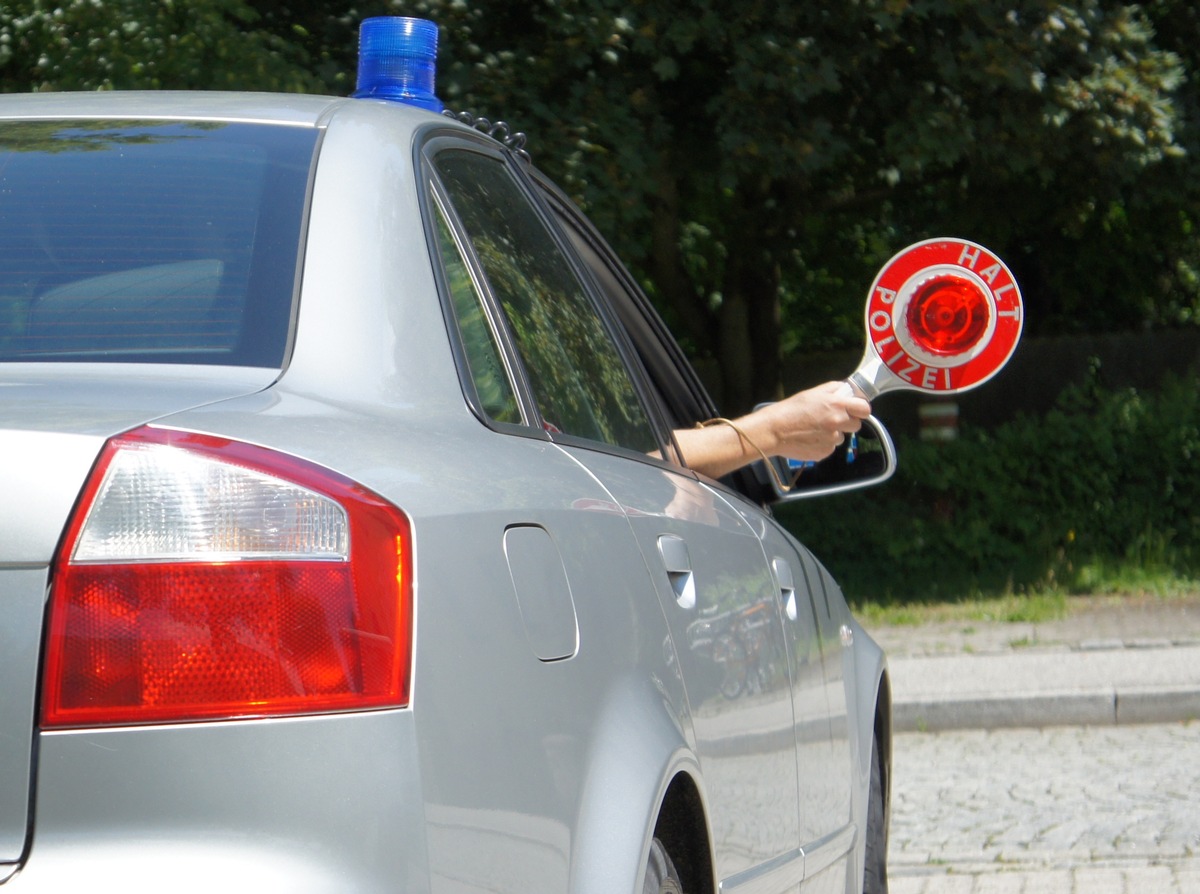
(873, 462)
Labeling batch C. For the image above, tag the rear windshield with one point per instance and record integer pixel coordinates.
(149, 241)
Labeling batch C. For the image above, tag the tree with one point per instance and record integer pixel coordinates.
(757, 161)
(148, 44)
(1053, 139)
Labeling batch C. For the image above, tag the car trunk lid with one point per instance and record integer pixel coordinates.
(54, 418)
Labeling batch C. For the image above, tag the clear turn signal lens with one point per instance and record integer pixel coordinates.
(158, 503)
(203, 578)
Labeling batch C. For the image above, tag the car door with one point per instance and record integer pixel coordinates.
(822, 744)
(822, 752)
(703, 560)
(725, 620)
(542, 584)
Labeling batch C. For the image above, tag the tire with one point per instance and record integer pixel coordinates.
(661, 875)
(875, 880)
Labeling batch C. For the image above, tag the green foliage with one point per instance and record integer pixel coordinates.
(757, 161)
(1008, 608)
(1105, 480)
(93, 45)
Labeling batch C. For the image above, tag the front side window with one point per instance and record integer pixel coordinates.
(578, 377)
(153, 241)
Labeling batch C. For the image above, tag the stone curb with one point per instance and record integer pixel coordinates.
(1037, 688)
(1098, 708)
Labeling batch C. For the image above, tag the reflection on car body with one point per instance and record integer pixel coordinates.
(738, 643)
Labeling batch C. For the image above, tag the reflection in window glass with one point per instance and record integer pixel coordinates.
(579, 379)
(483, 356)
(152, 241)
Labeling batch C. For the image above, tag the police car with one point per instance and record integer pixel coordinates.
(344, 541)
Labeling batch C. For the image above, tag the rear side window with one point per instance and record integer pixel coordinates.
(486, 365)
(168, 242)
(578, 377)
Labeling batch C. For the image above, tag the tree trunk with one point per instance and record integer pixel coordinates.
(675, 287)
(734, 356)
(748, 341)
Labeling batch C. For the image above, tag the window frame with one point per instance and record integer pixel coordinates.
(433, 200)
(530, 184)
(679, 397)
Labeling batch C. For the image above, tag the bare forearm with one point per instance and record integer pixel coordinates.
(808, 425)
(715, 450)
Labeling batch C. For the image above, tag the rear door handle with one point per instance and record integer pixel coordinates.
(678, 562)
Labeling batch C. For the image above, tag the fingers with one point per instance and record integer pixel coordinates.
(856, 405)
(811, 424)
(843, 395)
(847, 408)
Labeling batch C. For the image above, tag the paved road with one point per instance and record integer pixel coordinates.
(1071, 809)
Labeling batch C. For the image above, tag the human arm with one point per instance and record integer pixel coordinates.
(808, 425)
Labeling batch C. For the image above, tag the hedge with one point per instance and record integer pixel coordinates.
(1104, 479)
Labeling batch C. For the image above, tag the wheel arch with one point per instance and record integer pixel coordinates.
(682, 827)
(642, 781)
(873, 701)
(872, 698)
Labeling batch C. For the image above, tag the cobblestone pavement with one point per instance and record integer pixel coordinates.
(1074, 810)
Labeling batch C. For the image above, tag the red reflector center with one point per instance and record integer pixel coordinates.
(947, 315)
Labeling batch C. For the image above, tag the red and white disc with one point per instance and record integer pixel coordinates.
(942, 316)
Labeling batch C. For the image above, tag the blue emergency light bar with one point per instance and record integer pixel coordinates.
(397, 60)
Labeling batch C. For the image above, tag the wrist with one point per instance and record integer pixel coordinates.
(761, 432)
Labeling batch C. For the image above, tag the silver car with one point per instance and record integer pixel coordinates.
(344, 544)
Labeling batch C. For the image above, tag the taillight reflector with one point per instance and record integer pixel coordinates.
(202, 578)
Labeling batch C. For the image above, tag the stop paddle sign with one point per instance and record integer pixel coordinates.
(943, 316)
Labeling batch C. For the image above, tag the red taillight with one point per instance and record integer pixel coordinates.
(205, 579)
(948, 315)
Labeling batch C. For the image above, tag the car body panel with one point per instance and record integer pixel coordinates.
(55, 420)
(563, 673)
(730, 647)
(489, 832)
(299, 809)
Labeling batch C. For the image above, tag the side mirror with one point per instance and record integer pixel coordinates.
(867, 460)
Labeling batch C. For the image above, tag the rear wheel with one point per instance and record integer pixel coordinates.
(875, 879)
(661, 875)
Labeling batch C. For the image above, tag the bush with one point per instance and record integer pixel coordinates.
(1106, 479)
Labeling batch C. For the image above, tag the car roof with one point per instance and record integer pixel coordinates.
(277, 108)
